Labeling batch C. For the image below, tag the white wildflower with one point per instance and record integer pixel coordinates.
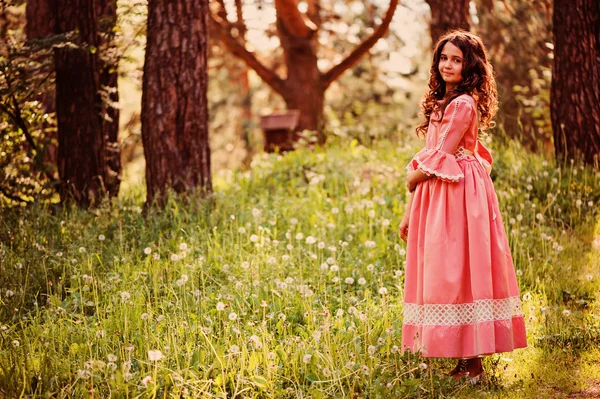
(155, 355)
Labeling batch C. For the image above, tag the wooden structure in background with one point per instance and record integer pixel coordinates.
(280, 130)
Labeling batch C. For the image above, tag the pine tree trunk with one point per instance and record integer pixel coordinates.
(81, 144)
(243, 78)
(41, 22)
(303, 88)
(41, 18)
(575, 93)
(107, 19)
(174, 102)
(447, 15)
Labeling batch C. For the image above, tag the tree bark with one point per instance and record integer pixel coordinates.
(174, 99)
(575, 93)
(447, 15)
(303, 88)
(41, 22)
(81, 143)
(41, 18)
(107, 19)
(243, 78)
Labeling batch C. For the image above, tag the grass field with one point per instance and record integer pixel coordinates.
(286, 284)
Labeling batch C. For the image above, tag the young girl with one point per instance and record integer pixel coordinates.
(461, 295)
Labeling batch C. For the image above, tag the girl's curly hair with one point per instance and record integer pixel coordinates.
(478, 81)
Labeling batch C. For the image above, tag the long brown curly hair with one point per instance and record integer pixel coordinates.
(478, 81)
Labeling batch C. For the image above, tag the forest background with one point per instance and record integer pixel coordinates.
(149, 246)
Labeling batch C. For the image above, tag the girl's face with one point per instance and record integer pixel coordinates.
(451, 65)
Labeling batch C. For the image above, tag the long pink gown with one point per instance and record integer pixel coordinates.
(461, 297)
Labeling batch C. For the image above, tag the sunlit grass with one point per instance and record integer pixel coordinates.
(288, 283)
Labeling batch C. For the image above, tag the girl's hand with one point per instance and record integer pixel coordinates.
(403, 229)
(410, 185)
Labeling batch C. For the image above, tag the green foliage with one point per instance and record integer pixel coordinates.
(28, 131)
(521, 52)
(287, 283)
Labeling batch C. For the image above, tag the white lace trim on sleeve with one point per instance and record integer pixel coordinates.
(443, 176)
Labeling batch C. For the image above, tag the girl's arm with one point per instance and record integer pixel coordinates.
(415, 177)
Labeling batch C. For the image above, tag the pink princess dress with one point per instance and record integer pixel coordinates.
(461, 297)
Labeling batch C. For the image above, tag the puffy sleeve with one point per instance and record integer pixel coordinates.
(440, 161)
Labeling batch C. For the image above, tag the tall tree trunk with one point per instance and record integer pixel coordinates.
(174, 102)
(304, 89)
(41, 22)
(447, 15)
(41, 18)
(81, 144)
(243, 78)
(107, 19)
(575, 93)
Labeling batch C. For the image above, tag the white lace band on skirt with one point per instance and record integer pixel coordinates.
(479, 311)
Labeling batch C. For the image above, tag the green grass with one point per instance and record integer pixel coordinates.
(288, 283)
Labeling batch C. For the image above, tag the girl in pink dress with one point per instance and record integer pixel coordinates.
(461, 298)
